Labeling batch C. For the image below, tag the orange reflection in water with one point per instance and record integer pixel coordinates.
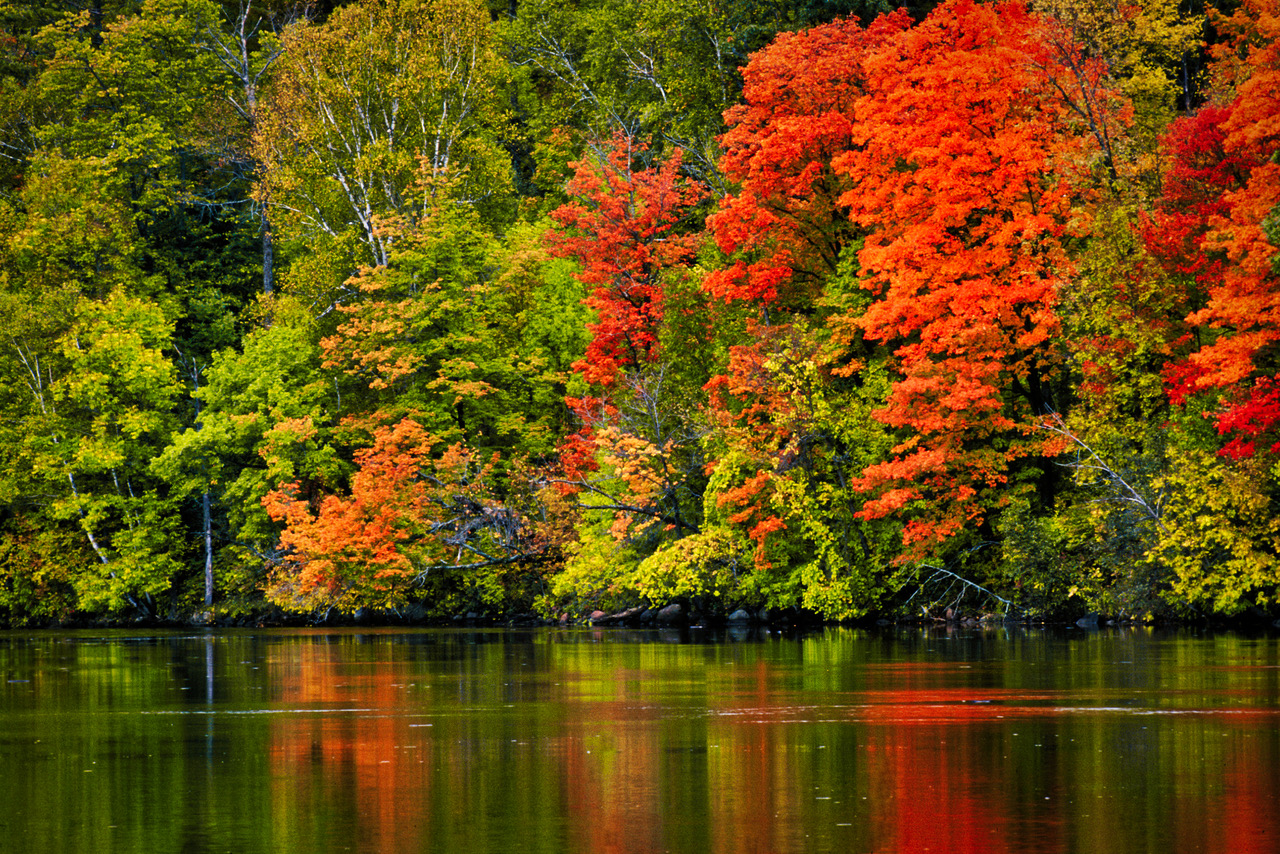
(913, 760)
(333, 760)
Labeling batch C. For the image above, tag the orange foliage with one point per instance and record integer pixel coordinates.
(786, 225)
(349, 548)
(966, 173)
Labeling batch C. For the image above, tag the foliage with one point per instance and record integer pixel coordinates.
(786, 226)
(445, 307)
(622, 228)
(361, 105)
(968, 211)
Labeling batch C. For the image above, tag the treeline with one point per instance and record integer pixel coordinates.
(430, 307)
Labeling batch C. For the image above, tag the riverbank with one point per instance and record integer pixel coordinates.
(673, 615)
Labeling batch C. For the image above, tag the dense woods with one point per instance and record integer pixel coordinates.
(428, 307)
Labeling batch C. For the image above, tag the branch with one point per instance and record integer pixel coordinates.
(1129, 494)
(965, 586)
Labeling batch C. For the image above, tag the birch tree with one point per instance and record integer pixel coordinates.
(383, 93)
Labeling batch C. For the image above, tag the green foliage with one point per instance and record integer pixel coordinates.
(596, 575)
(361, 106)
(38, 563)
(129, 97)
(713, 565)
(266, 417)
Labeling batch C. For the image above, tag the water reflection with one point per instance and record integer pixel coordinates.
(615, 741)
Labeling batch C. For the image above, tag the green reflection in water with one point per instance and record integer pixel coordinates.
(580, 740)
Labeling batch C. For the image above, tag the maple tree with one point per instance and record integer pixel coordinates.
(967, 179)
(786, 225)
(624, 228)
(1244, 182)
(347, 554)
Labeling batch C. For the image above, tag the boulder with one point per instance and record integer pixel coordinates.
(1088, 621)
(672, 615)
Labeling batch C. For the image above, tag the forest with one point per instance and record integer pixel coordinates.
(425, 308)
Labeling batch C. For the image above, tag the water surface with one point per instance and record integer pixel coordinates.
(616, 741)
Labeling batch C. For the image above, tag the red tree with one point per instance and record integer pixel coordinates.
(1220, 195)
(966, 171)
(623, 228)
(785, 227)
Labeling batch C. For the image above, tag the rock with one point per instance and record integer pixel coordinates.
(649, 616)
(1088, 621)
(630, 616)
(739, 616)
(672, 615)
(598, 616)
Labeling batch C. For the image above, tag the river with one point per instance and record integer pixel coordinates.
(581, 740)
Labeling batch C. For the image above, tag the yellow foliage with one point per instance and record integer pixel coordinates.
(1220, 534)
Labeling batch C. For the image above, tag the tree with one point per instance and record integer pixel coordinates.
(1242, 314)
(967, 178)
(266, 415)
(793, 434)
(90, 389)
(443, 385)
(364, 102)
(785, 227)
(623, 227)
(247, 49)
(1113, 65)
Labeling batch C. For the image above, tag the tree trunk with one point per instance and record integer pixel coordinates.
(208, 549)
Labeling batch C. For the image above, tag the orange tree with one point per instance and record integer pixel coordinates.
(785, 227)
(970, 177)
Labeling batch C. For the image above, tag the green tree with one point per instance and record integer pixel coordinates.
(90, 389)
(360, 106)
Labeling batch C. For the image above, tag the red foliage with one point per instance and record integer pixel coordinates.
(622, 228)
(785, 225)
(1255, 416)
(1201, 171)
(1223, 187)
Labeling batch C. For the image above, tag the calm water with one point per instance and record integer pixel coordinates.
(614, 741)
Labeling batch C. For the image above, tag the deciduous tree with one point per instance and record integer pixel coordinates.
(967, 178)
(785, 226)
(364, 102)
